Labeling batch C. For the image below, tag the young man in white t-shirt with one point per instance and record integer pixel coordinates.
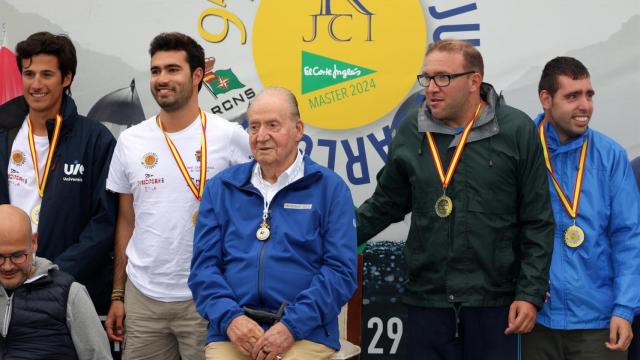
(159, 168)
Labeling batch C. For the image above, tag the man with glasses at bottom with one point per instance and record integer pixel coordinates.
(469, 168)
(44, 314)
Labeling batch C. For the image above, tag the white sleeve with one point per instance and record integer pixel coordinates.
(117, 180)
(239, 149)
(88, 336)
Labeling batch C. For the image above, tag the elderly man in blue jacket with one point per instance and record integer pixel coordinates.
(595, 269)
(274, 254)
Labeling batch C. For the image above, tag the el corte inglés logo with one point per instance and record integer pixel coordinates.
(349, 62)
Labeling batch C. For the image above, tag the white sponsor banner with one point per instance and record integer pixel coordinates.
(352, 63)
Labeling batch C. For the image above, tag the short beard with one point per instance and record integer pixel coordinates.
(173, 105)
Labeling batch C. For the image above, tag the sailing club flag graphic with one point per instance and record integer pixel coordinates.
(220, 81)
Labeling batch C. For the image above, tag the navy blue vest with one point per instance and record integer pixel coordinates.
(38, 328)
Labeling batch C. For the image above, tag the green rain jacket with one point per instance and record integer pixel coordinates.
(496, 245)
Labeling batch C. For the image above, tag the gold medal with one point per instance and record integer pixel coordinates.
(573, 236)
(35, 214)
(263, 232)
(151, 159)
(444, 206)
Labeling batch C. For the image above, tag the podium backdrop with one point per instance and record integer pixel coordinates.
(353, 66)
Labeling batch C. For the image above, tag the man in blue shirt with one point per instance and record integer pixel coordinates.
(595, 268)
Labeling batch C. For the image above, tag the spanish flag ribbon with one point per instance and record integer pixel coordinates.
(456, 155)
(572, 208)
(42, 181)
(196, 190)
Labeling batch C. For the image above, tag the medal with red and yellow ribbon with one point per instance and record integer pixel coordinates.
(573, 235)
(41, 181)
(444, 204)
(196, 190)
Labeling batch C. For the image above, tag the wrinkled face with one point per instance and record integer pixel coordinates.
(570, 108)
(172, 83)
(20, 246)
(447, 103)
(273, 134)
(43, 84)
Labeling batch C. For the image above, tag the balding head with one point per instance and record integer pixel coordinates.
(14, 223)
(17, 246)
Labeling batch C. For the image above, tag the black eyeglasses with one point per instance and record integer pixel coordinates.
(441, 80)
(16, 259)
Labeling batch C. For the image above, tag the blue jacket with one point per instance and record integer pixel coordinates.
(601, 278)
(635, 165)
(77, 218)
(309, 260)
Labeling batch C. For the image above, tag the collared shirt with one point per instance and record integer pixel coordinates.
(268, 191)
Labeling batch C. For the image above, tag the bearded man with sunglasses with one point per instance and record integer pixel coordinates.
(468, 167)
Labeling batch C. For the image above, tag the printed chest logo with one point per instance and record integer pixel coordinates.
(338, 55)
(17, 157)
(149, 160)
(73, 169)
(74, 172)
(150, 182)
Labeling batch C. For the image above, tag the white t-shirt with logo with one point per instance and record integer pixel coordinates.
(160, 249)
(23, 190)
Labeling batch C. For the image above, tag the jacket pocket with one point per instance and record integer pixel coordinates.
(494, 238)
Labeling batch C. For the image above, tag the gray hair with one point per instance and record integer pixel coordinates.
(294, 110)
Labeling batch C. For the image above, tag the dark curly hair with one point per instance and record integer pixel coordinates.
(47, 43)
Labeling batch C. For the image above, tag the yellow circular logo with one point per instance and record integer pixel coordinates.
(17, 157)
(349, 62)
(149, 160)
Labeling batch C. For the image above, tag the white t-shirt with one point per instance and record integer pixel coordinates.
(160, 249)
(23, 190)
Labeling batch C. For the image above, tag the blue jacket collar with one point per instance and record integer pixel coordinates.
(553, 141)
(240, 175)
(15, 111)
